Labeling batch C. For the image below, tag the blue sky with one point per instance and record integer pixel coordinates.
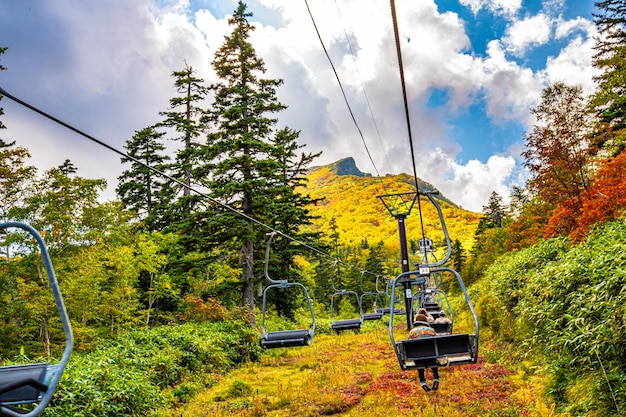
(474, 68)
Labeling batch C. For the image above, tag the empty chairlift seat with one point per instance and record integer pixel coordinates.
(284, 338)
(287, 338)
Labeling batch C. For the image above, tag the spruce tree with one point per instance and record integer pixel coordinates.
(494, 211)
(187, 119)
(241, 169)
(609, 100)
(139, 188)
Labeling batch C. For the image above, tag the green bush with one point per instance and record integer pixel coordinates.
(143, 370)
(563, 307)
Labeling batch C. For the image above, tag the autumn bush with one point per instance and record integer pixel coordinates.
(604, 200)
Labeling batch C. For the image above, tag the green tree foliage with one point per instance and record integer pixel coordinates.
(458, 255)
(56, 204)
(139, 188)
(562, 306)
(243, 146)
(609, 101)
(489, 241)
(187, 119)
(15, 177)
(494, 211)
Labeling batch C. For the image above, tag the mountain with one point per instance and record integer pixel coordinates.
(345, 166)
(352, 199)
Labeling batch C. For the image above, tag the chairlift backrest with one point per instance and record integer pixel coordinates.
(35, 383)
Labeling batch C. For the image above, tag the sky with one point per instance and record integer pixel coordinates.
(473, 68)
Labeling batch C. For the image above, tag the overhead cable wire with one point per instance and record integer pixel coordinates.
(342, 90)
(169, 177)
(367, 100)
(406, 108)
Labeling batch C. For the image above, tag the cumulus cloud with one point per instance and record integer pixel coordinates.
(471, 184)
(529, 32)
(107, 68)
(508, 7)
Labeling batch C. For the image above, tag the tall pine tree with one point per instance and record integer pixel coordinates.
(242, 166)
(187, 118)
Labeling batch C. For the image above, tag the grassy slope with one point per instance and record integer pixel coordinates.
(358, 375)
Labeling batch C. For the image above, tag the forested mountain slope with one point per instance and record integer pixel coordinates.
(349, 196)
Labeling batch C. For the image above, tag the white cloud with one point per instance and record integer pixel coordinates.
(573, 65)
(508, 7)
(529, 32)
(470, 185)
(106, 68)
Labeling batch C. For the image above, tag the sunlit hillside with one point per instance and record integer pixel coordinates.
(351, 198)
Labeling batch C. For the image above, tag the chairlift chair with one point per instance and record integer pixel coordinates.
(387, 294)
(443, 349)
(284, 338)
(25, 384)
(348, 324)
(435, 301)
(440, 350)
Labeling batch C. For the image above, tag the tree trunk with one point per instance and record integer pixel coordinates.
(248, 277)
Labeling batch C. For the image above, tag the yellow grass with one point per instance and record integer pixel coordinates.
(358, 375)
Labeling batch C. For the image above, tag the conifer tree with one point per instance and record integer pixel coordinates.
(609, 101)
(187, 119)
(241, 168)
(289, 209)
(494, 211)
(139, 188)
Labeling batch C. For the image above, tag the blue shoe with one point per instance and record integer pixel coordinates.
(435, 384)
(425, 386)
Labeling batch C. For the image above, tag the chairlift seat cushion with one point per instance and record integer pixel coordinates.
(286, 338)
(372, 316)
(16, 382)
(347, 324)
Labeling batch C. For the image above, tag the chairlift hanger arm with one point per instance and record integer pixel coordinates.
(36, 383)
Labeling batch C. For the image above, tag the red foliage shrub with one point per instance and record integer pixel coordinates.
(604, 200)
(200, 310)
